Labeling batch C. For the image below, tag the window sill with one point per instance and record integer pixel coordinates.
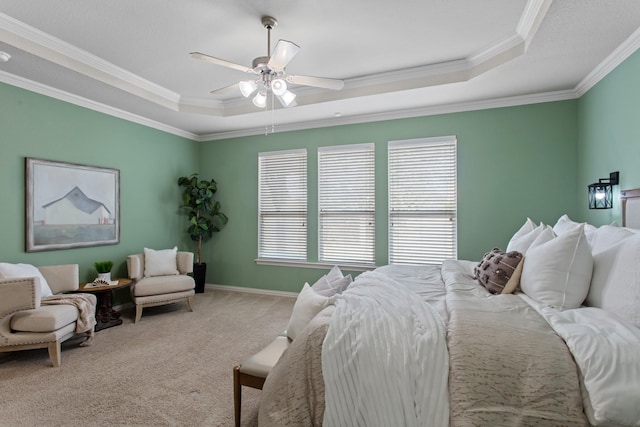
(317, 265)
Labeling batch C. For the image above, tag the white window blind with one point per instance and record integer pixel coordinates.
(346, 204)
(422, 200)
(282, 205)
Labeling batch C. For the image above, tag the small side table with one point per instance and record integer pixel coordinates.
(106, 316)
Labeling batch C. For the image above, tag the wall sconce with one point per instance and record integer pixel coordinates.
(601, 192)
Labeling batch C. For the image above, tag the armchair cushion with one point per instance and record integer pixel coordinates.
(44, 319)
(160, 262)
(20, 271)
(162, 285)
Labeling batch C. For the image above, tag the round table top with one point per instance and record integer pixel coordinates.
(122, 282)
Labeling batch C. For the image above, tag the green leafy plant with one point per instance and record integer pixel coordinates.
(205, 217)
(103, 266)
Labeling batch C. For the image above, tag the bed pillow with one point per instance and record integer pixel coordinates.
(334, 274)
(162, 262)
(21, 271)
(521, 242)
(565, 224)
(328, 289)
(557, 272)
(615, 284)
(526, 228)
(607, 236)
(307, 305)
(500, 271)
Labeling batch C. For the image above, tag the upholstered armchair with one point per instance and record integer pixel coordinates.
(161, 277)
(26, 323)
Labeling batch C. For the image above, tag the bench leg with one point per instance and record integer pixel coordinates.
(237, 394)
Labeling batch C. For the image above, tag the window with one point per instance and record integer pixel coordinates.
(346, 204)
(282, 205)
(422, 200)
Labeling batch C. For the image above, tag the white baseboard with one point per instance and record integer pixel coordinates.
(253, 290)
(120, 307)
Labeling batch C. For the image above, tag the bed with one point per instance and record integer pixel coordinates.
(554, 341)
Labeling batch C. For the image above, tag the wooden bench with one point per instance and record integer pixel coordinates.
(253, 371)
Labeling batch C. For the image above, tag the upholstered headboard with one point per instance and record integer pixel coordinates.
(630, 208)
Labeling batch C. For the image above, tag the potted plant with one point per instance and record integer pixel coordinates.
(104, 270)
(205, 218)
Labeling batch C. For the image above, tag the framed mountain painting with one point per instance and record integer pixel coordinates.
(70, 205)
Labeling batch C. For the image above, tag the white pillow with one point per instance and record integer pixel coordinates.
(615, 284)
(20, 271)
(557, 272)
(162, 262)
(565, 224)
(520, 242)
(526, 228)
(607, 236)
(308, 304)
(329, 289)
(335, 274)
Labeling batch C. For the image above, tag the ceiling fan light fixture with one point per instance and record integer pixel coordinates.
(247, 87)
(286, 98)
(279, 87)
(260, 100)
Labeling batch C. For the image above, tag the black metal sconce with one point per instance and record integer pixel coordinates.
(601, 192)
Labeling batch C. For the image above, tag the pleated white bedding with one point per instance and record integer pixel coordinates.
(375, 372)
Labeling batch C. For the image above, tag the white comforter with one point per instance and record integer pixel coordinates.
(375, 373)
(606, 350)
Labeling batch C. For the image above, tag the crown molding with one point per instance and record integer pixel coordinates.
(401, 114)
(41, 44)
(61, 95)
(617, 57)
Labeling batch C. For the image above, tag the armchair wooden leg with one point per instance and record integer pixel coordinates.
(54, 354)
(237, 394)
(190, 303)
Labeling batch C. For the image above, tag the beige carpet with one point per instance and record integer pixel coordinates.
(173, 368)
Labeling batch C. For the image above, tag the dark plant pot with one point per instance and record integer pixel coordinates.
(200, 275)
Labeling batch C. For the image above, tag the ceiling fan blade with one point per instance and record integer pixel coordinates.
(335, 84)
(224, 63)
(225, 90)
(282, 54)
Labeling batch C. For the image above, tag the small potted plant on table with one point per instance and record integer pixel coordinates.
(104, 270)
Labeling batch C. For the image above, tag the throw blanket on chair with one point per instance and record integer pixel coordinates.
(86, 305)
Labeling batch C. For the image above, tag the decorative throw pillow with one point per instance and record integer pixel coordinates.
(162, 262)
(500, 271)
(308, 304)
(20, 271)
(557, 272)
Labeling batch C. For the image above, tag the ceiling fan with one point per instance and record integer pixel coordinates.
(270, 71)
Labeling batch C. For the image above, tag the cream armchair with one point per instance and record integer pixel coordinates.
(149, 291)
(26, 324)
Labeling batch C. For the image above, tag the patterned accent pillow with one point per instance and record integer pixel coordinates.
(500, 271)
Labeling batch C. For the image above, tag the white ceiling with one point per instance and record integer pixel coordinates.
(398, 59)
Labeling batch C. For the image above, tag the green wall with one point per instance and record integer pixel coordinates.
(532, 160)
(149, 161)
(512, 163)
(609, 135)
